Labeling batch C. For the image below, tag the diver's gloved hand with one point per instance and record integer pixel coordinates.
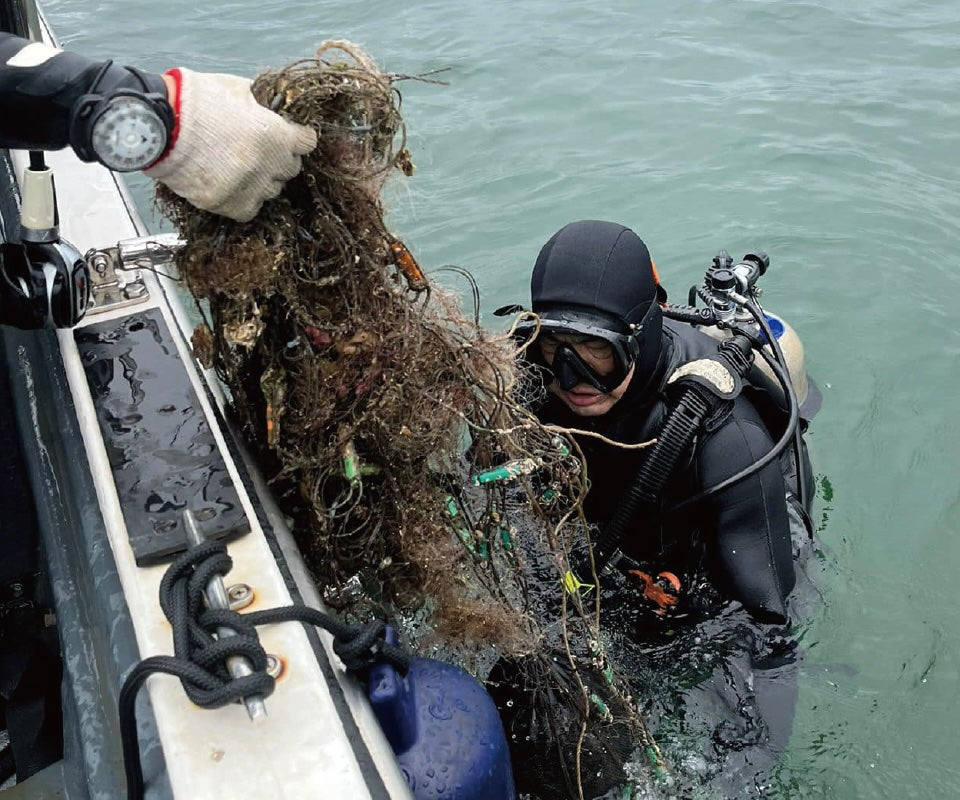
(230, 153)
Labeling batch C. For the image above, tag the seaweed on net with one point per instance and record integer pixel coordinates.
(387, 422)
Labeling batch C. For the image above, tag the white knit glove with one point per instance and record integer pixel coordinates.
(231, 153)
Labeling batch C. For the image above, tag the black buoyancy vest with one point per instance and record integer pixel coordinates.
(745, 529)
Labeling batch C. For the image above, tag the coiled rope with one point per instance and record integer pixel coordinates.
(199, 658)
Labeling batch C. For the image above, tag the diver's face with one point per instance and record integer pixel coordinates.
(583, 399)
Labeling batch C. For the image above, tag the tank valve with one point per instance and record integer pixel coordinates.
(720, 283)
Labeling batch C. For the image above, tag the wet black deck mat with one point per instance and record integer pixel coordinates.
(162, 453)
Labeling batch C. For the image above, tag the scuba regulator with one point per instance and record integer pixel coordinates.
(727, 286)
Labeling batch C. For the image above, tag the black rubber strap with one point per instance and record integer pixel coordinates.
(38, 101)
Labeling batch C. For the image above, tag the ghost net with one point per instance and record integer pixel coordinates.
(392, 430)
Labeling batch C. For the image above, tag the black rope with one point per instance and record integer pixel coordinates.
(359, 647)
(199, 658)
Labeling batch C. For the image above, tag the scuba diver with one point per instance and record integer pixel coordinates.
(612, 362)
(202, 135)
(697, 535)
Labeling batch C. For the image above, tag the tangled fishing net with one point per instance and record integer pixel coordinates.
(391, 428)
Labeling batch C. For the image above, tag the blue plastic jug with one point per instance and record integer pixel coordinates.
(444, 729)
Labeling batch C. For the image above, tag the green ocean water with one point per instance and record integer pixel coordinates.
(827, 134)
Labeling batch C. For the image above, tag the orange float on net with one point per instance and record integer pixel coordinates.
(407, 264)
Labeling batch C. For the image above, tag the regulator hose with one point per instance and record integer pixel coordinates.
(690, 314)
(790, 392)
(777, 364)
(678, 432)
(792, 432)
(681, 426)
(761, 462)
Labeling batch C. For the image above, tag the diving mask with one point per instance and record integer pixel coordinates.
(570, 369)
(582, 346)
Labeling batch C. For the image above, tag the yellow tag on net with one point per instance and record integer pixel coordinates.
(574, 585)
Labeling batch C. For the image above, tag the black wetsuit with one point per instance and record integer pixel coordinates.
(722, 680)
(37, 102)
(740, 536)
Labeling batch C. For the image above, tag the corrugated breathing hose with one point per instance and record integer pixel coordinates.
(675, 438)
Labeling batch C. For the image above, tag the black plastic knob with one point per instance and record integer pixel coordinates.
(722, 260)
(721, 280)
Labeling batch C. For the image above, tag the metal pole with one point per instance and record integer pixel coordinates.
(21, 18)
(216, 595)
